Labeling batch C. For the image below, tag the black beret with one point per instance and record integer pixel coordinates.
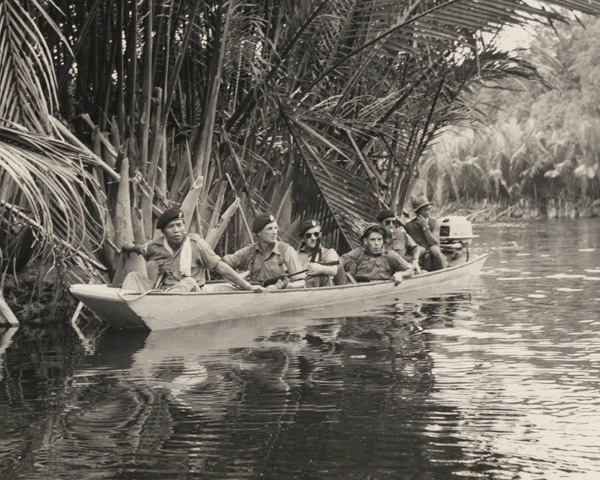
(307, 225)
(385, 214)
(168, 215)
(262, 220)
(373, 227)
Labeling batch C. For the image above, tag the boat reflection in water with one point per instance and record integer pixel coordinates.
(250, 392)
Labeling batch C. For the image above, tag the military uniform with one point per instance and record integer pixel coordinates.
(325, 255)
(281, 259)
(366, 267)
(402, 243)
(202, 258)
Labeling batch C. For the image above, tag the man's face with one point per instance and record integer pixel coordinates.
(424, 211)
(388, 223)
(174, 231)
(373, 243)
(269, 233)
(311, 235)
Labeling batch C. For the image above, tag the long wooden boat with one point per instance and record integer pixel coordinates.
(158, 310)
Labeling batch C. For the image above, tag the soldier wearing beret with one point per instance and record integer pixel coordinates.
(182, 259)
(318, 275)
(425, 230)
(397, 239)
(268, 257)
(372, 261)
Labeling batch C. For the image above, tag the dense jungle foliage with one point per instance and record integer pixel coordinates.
(538, 153)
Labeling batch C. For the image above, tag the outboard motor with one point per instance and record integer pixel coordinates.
(456, 234)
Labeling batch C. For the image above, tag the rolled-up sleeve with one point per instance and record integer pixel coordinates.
(329, 256)
(294, 265)
(348, 261)
(239, 258)
(208, 257)
(397, 263)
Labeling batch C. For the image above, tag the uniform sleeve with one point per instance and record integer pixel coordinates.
(410, 242)
(410, 228)
(329, 255)
(349, 262)
(397, 263)
(208, 256)
(293, 263)
(238, 259)
(150, 250)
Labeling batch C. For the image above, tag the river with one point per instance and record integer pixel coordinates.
(500, 380)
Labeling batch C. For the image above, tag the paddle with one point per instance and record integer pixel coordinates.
(362, 279)
(274, 280)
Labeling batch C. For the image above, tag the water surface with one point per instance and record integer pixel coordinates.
(499, 381)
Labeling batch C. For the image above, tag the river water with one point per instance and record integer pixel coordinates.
(500, 380)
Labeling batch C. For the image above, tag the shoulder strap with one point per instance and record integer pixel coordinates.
(283, 247)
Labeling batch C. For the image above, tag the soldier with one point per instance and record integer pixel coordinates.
(182, 259)
(398, 240)
(268, 257)
(318, 275)
(372, 261)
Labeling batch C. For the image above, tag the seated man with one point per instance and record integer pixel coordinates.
(318, 275)
(425, 230)
(182, 259)
(268, 257)
(372, 261)
(398, 240)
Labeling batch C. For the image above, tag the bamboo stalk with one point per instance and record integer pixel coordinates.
(124, 229)
(217, 205)
(7, 317)
(105, 141)
(190, 202)
(214, 235)
(241, 208)
(104, 165)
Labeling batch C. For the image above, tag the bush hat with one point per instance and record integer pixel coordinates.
(261, 221)
(420, 202)
(387, 213)
(307, 225)
(168, 216)
(373, 227)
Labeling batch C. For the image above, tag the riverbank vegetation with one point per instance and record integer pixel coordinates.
(112, 111)
(538, 154)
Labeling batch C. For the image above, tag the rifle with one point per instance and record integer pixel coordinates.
(316, 250)
(283, 276)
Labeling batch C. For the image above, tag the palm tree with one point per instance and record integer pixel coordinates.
(49, 194)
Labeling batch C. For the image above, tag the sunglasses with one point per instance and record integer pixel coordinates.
(313, 234)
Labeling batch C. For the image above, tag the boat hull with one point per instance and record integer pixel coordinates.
(162, 310)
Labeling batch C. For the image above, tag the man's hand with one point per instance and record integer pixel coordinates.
(397, 277)
(257, 288)
(280, 285)
(313, 269)
(422, 221)
(416, 267)
(129, 248)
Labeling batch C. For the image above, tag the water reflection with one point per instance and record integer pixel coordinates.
(497, 381)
